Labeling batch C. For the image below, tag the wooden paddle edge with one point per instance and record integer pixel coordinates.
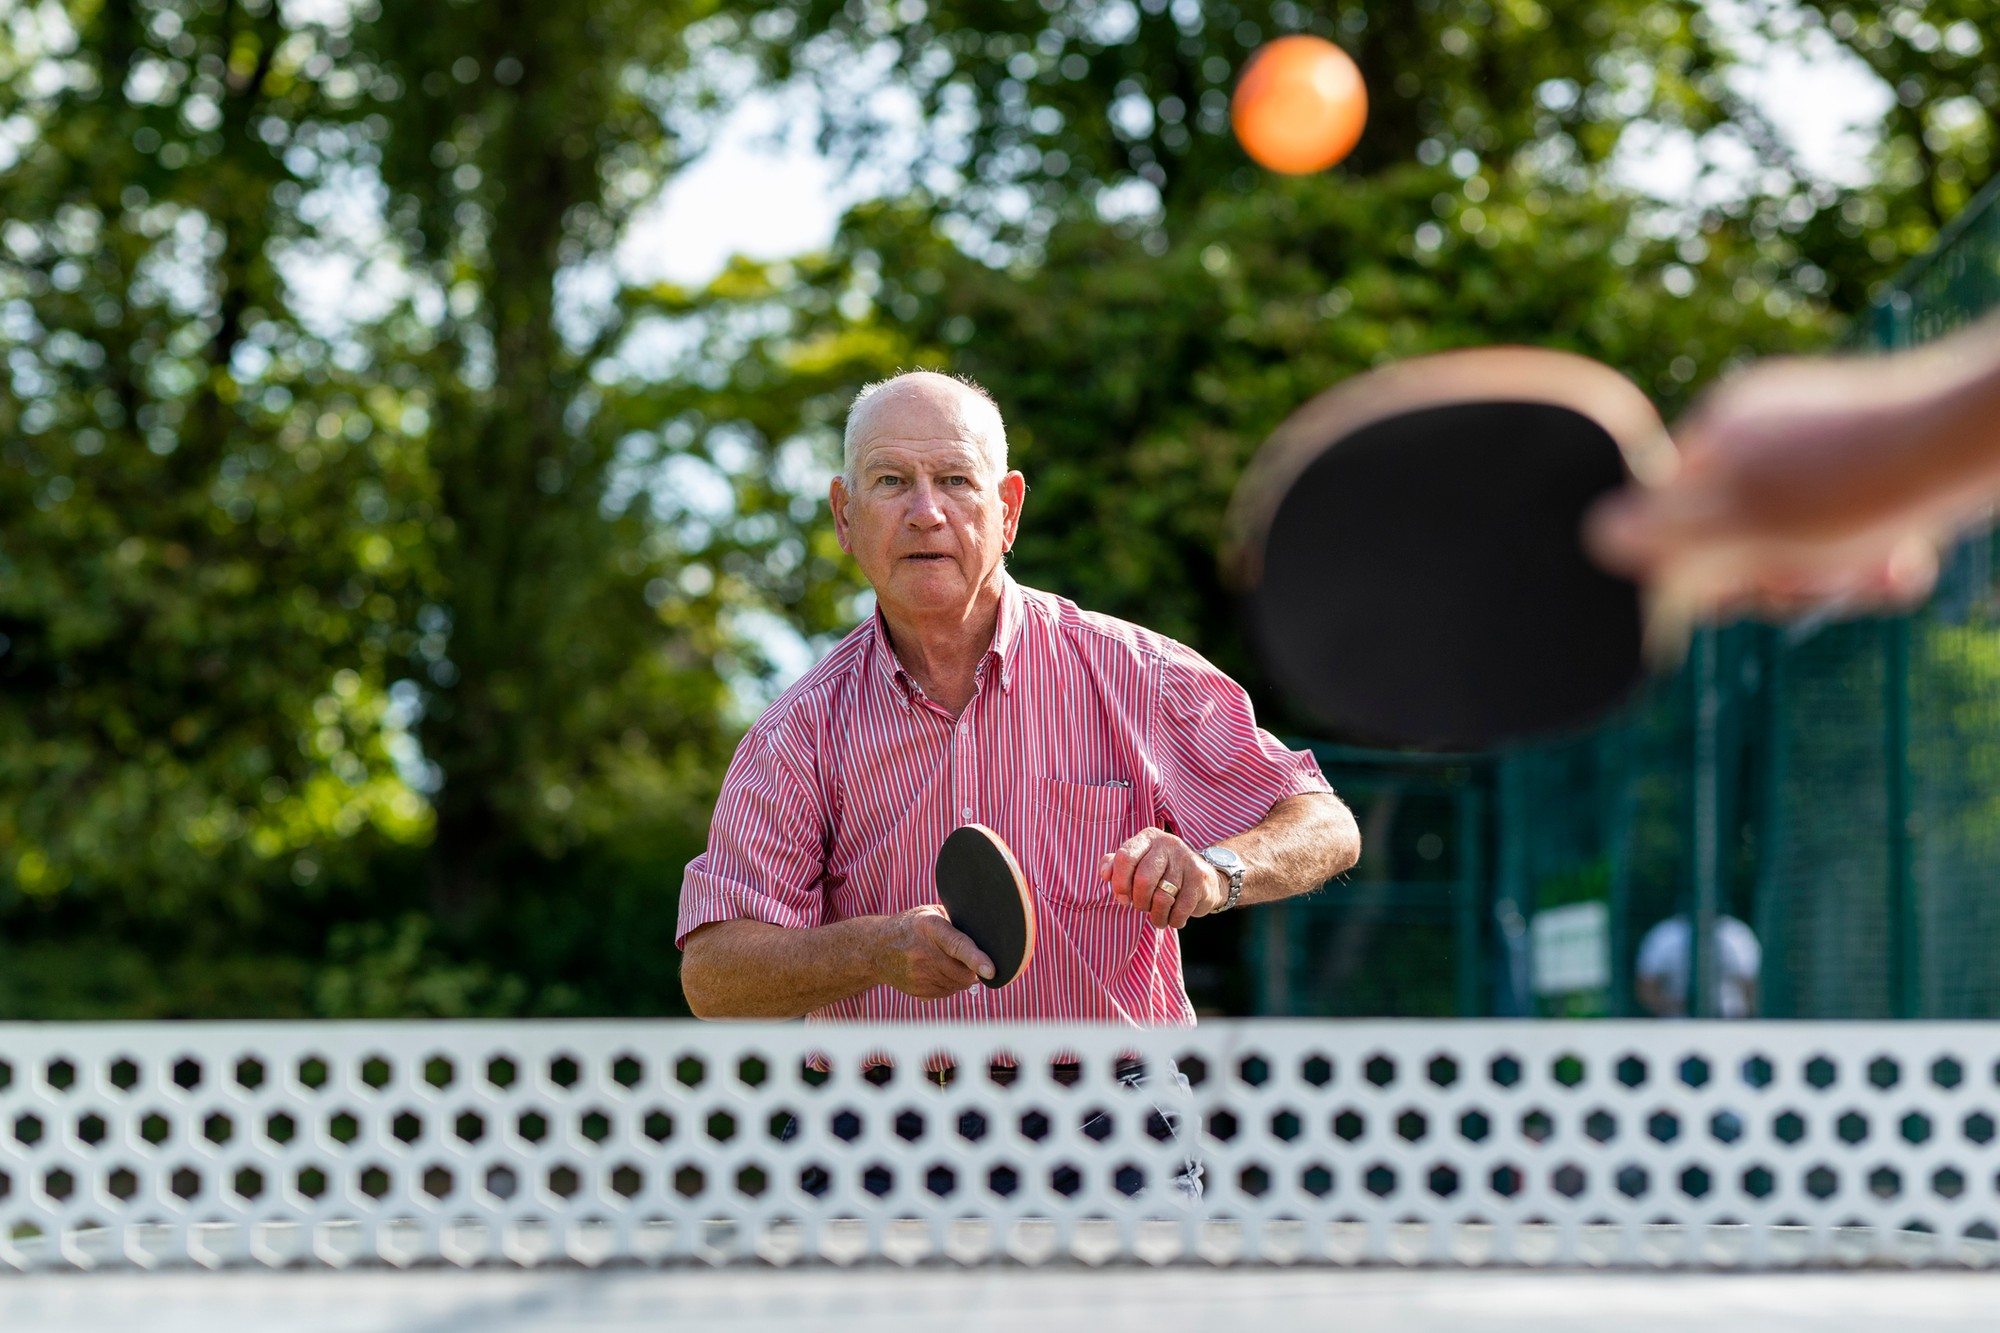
(1478, 374)
(1027, 903)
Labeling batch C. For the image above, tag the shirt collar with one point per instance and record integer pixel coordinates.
(1006, 634)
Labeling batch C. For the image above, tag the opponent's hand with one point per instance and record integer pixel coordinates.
(1796, 490)
(922, 955)
(1163, 877)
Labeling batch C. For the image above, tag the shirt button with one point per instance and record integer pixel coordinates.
(966, 812)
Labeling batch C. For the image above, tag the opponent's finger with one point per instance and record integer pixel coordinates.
(1890, 580)
(1622, 534)
(1910, 572)
(1638, 533)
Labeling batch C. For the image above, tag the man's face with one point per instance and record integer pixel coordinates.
(927, 520)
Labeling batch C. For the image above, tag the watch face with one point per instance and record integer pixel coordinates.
(1223, 858)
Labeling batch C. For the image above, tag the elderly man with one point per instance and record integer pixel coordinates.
(1126, 773)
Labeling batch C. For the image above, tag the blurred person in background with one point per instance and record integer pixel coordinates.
(1662, 971)
(1127, 774)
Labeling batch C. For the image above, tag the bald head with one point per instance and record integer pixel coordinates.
(922, 404)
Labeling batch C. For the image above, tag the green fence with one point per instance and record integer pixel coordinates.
(1835, 786)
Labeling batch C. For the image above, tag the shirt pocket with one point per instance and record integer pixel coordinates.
(1079, 823)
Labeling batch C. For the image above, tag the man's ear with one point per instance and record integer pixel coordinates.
(837, 497)
(1013, 494)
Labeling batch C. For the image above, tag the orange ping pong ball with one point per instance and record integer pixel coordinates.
(1300, 105)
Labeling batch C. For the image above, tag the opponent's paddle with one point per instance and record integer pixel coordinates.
(981, 887)
(1408, 546)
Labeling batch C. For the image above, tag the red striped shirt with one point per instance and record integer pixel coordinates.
(1083, 730)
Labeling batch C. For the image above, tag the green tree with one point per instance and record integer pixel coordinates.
(314, 614)
(1939, 142)
(214, 522)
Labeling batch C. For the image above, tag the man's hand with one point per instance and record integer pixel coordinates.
(1164, 878)
(923, 956)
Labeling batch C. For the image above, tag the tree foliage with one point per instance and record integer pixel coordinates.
(216, 522)
(321, 610)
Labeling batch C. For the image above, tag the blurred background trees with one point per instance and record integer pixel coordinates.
(384, 576)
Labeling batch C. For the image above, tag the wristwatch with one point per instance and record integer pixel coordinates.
(1230, 864)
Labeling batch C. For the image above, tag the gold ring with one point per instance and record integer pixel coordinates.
(1169, 888)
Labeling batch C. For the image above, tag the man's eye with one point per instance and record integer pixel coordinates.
(956, 481)
(887, 481)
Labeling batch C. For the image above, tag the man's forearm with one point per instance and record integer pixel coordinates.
(1304, 842)
(751, 969)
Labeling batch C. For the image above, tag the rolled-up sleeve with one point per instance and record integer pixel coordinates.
(1219, 773)
(766, 847)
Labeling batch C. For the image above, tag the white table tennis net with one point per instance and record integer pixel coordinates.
(469, 1143)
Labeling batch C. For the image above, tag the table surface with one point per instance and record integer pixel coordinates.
(1061, 1300)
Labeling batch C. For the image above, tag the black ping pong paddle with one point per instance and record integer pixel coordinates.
(1408, 548)
(982, 888)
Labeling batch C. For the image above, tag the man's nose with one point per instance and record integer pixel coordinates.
(924, 510)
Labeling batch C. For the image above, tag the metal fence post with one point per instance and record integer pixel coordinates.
(1616, 767)
(1706, 834)
(1893, 330)
(1468, 939)
(1774, 982)
(1513, 996)
(1905, 986)
(1271, 959)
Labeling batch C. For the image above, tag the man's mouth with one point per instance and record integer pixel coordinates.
(926, 555)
